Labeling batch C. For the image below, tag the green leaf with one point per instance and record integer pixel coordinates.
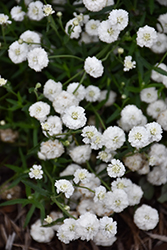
(163, 196)
(147, 188)
(29, 215)
(40, 190)
(14, 168)
(113, 116)
(16, 201)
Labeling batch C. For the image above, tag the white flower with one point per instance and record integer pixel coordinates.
(77, 90)
(65, 187)
(41, 234)
(163, 2)
(88, 132)
(134, 195)
(157, 176)
(133, 162)
(39, 110)
(17, 14)
(101, 240)
(32, 39)
(108, 97)
(87, 226)
(18, 52)
(107, 32)
(157, 76)
(146, 36)
(160, 45)
(81, 175)
(48, 219)
(85, 38)
(70, 169)
(91, 27)
(162, 26)
(68, 231)
(121, 183)
(118, 200)
(155, 108)
(35, 10)
(146, 217)
(50, 150)
(74, 117)
(162, 119)
(36, 172)
(97, 141)
(92, 184)
(52, 126)
(93, 67)
(119, 19)
(75, 29)
(139, 137)
(47, 10)
(2, 81)
(4, 19)
(116, 168)
(100, 193)
(128, 64)
(157, 154)
(106, 155)
(149, 95)
(37, 59)
(155, 131)
(108, 226)
(52, 89)
(113, 137)
(80, 154)
(92, 93)
(94, 5)
(64, 100)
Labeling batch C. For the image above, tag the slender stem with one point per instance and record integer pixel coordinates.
(70, 56)
(85, 188)
(103, 182)
(162, 59)
(61, 207)
(51, 180)
(81, 81)
(3, 34)
(98, 116)
(69, 80)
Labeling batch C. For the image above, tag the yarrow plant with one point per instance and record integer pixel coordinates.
(84, 117)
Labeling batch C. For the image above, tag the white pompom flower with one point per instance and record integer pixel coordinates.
(37, 59)
(146, 36)
(116, 168)
(65, 187)
(39, 110)
(128, 64)
(92, 93)
(95, 5)
(35, 10)
(93, 66)
(139, 137)
(149, 95)
(81, 175)
(18, 52)
(146, 217)
(119, 18)
(108, 226)
(155, 131)
(108, 33)
(74, 117)
(36, 172)
(17, 14)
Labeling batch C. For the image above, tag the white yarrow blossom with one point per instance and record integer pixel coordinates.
(18, 52)
(78, 90)
(41, 234)
(37, 59)
(31, 38)
(93, 66)
(50, 150)
(52, 126)
(88, 132)
(149, 95)
(81, 175)
(139, 137)
(162, 119)
(92, 93)
(162, 26)
(74, 117)
(67, 231)
(146, 36)
(80, 154)
(160, 46)
(48, 10)
(36, 172)
(106, 155)
(87, 226)
(113, 137)
(119, 19)
(100, 193)
(108, 227)
(108, 33)
(75, 29)
(95, 5)
(35, 10)
(17, 14)
(116, 168)
(65, 187)
(4, 19)
(39, 110)
(155, 131)
(52, 89)
(118, 200)
(91, 27)
(2, 81)
(128, 64)
(155, 108)
(146, 217)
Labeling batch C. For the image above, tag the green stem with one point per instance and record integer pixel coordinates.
(81, 81)
(3, 34)
(98, 116)
(85, 188)
(70, 56)
(103, 182)
(162, 59)
(51, 179)
(61, 207)
(69, 80)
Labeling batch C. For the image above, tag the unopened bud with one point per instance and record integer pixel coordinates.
(120, 50)
(59, 14)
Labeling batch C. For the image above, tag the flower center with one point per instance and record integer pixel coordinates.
(36, 172)
(138, 136)
(93, 26)
(116, 168)
(17, 52)
(74, 115)
(110, 31)
(146, 37)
